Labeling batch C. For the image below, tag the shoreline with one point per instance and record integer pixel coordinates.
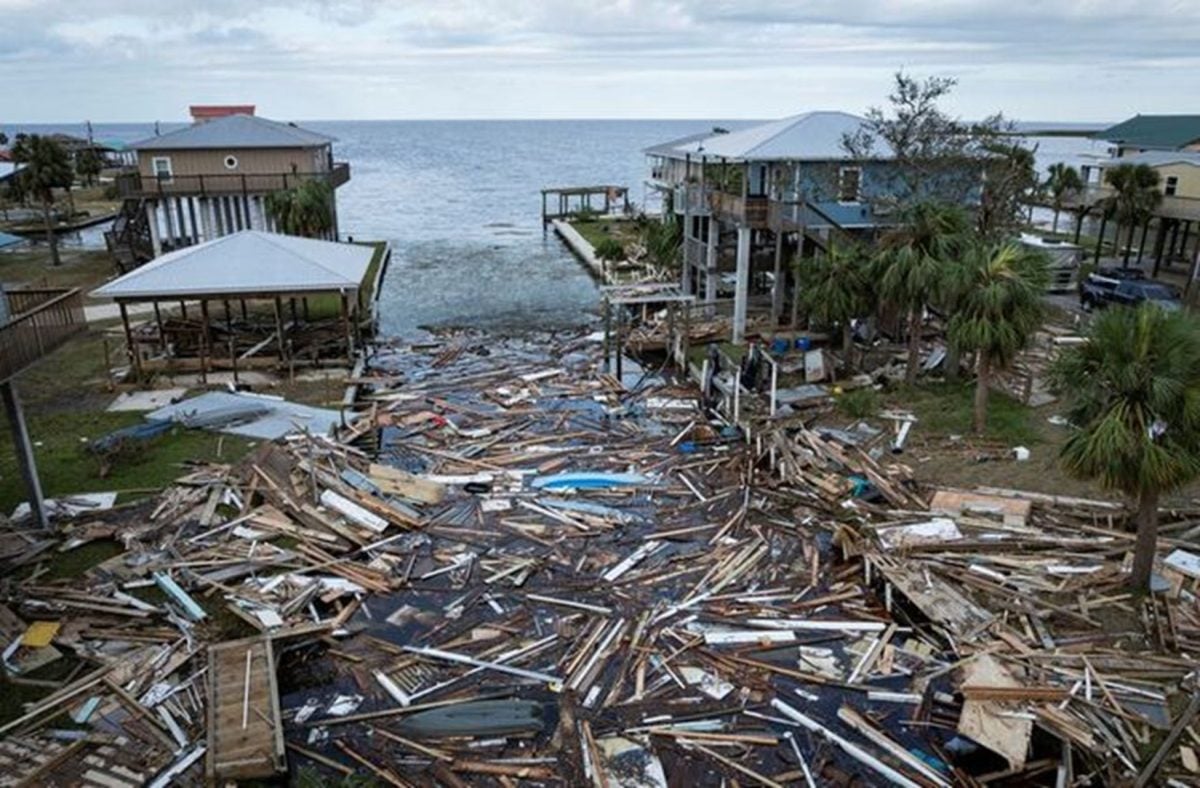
(582, 249)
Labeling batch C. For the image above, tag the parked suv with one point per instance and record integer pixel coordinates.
(1125, 286)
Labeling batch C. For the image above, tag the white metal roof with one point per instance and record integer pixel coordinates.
(235, 131)
(812, 136)
(249, 261)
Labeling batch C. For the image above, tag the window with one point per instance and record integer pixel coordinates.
(1171, 186)
(849, 183)
(231, 162)
(162, 168)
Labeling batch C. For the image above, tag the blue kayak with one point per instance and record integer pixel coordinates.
(589, 481)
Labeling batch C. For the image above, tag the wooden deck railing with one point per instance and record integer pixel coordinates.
(135, 184)
(702, 200)
(40, 321)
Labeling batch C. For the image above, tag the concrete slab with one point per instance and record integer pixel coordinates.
(316, 375)
(249, 377)
(146, 400)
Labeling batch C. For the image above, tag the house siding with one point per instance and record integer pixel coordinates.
(1189, 179)
(251, 161)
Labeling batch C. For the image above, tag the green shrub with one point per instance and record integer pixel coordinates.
(859, 403)
(610, 249)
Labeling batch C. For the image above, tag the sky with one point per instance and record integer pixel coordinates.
(1034, 60)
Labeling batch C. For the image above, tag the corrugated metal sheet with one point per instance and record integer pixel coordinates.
(250, 261)
(274, 417)
(235, 131)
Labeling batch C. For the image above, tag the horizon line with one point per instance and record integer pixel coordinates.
(669, 119)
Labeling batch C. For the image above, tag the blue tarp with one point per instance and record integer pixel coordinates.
(10, 240)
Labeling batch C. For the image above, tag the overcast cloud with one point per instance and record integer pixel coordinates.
(1083, 60)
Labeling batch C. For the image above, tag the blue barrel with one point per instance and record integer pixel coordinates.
(802, 343)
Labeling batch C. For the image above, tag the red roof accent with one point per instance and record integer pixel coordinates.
(203, 112)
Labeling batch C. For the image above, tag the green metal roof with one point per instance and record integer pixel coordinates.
(1170, 132)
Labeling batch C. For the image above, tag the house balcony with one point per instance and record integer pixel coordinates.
(35, 323)
(136, 185)
(697, 200)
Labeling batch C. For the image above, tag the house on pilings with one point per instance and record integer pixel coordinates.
(1170, 145)
(754, 199)
(212, 178)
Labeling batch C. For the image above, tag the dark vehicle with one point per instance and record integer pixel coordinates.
(1128, 287)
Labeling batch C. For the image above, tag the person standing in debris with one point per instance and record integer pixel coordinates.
(750, 368)
(708, 388)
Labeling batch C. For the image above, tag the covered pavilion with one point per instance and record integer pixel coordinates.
(335, 279)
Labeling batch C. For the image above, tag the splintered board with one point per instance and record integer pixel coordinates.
(245, 733)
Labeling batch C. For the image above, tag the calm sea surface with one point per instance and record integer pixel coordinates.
(459, 201)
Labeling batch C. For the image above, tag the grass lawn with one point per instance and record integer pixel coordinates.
(942, 451)
(85, 268)
(64, 397)
(948, 409)
(66, 468)
(72, 378)
(595, 231)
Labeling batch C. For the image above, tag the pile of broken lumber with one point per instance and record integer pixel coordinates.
(510, 568)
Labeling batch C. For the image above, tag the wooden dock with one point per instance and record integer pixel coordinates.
(245, 733)
(576, 199)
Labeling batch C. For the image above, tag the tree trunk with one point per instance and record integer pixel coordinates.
(951, 363)
(1054, 229)
(1147, 537)
(914, 346)
(795, 302)
(51, 238)
(981, 393)
(847, 348)
(1128, 244)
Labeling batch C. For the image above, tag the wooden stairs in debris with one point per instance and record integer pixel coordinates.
(245, 733)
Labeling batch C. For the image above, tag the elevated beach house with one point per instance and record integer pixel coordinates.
(212, 178)
(1169, 144)
(1143, 133)
(768, 193)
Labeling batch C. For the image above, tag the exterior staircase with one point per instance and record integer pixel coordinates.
(129, 239)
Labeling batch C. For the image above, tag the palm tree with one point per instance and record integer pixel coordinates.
(1135, 196)
(305, 210)
(1000, 309)
(1133, 392)
(89, 164)
(662, 241)
(913, 262)
(835, 288)
(47, 167)
(1062, 183)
